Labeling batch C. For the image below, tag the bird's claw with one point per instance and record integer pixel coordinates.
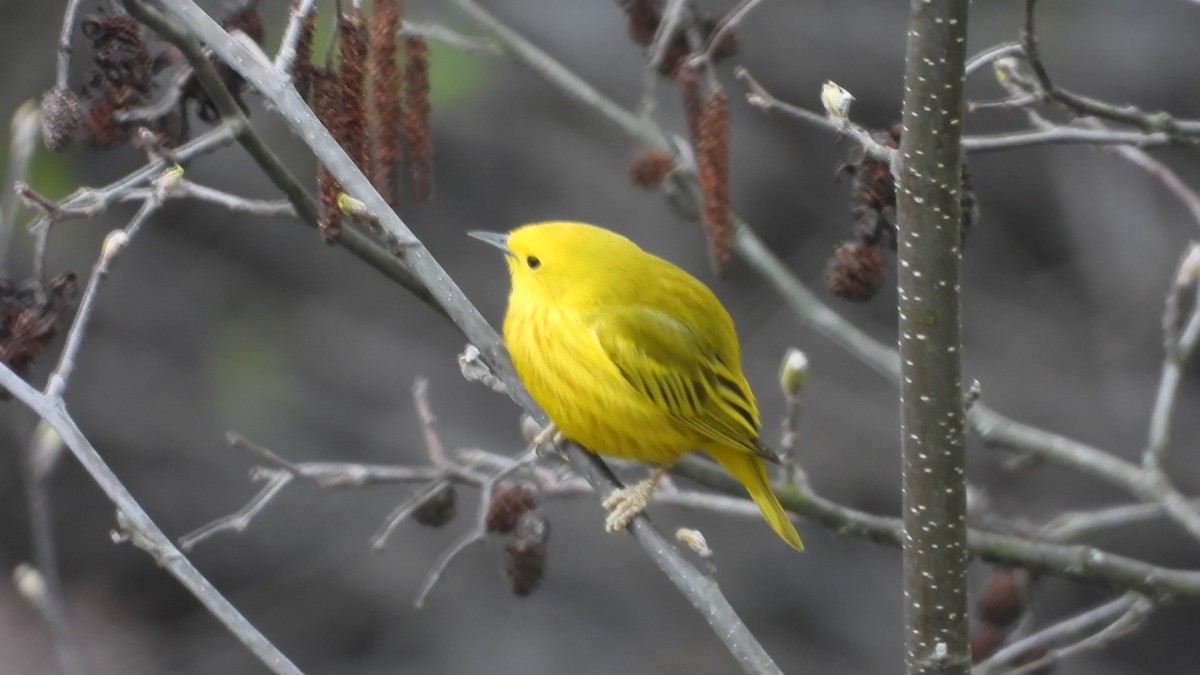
(625, 504)
(547, 440)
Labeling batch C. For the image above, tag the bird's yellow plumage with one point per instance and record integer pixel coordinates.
(631, 356)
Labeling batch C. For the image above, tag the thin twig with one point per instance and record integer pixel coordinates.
(63, 69)
(434, 31)
(286, 55)
(433, 444)
(1075, 525)
(52, 603)
(730, 23)
(987, 56)
(1151, 123)
(437, 456)
(1064, 136)
(113, 244)
(1156, 168)
(759, 97)
(21, 149)
(406, 508)
(668, 28)
(270, 208)
(1182, 307)
(1121, 616)
(279, 473)
(237, 522)
(165, 104)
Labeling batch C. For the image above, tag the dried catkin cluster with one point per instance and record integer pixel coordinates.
(705, 108)
(513, 510)
(386, 114)
(1001, 603)
(858, 268)
(30, 318)
(645, 17)
(113, 102)
(371, 107)
(712, 168)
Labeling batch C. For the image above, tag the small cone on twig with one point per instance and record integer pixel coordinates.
(985, 641)
(525, 557)
(856, 272)
(649, 168)
(1002, 599)
(439, 509)
(509, 503)
(30, 318)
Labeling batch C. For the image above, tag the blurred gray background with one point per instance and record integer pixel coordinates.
(212, 322)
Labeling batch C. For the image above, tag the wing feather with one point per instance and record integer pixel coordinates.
(682, 373)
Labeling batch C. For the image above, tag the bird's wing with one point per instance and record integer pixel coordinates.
(680, 372)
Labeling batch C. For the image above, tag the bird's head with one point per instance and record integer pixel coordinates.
(554, 260)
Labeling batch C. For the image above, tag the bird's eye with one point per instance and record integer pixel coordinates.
(533, 262)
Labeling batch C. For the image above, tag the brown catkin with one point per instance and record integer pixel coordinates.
(985, 640)
(386, 118)
(416, 116)
(1001, 601)
(118, 50)
(856, 271)
(712, 167)
(649, 168)
(30, 318)
(525, 557)
(326, 95)
(439, 509)
(351, 125)
(100, 128)
(692, 99)
(508, 504)
(644, 17)
(303, 65)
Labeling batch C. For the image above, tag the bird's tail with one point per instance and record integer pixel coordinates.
(751, 472)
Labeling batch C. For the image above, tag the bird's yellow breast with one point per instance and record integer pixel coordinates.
(558, 357)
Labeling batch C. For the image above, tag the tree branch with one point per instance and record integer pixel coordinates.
(928, 215)
(1084, 564)
(144, 532)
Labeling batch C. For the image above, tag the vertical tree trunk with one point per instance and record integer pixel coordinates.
(928, 175)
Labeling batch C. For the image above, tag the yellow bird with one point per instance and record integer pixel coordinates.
(632, 357)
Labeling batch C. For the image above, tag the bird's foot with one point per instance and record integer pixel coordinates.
(547, 440)
(625, 504)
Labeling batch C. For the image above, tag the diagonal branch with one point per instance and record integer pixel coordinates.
(146, 534)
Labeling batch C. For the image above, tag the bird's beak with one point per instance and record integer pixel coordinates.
(497, 239)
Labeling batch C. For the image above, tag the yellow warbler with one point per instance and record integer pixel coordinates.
(632, 357)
